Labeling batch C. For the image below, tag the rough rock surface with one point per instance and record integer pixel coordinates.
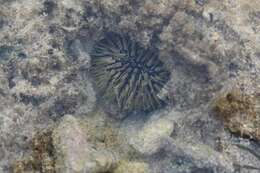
(210, 46)
(240, 113)
(132, 167)
(75, 153)
(152, 136)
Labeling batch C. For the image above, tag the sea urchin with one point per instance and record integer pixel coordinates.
(127, 74)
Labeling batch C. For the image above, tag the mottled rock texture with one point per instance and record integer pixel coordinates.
(43, 155)
(240, 113)
(75, 153)
(210, 47)
(132, 167)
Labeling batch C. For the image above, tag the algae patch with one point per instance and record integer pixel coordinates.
(238, 111)
(42, 158)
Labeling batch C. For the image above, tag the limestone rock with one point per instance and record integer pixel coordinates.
(151, 137)
(75, 154)
(132, 167)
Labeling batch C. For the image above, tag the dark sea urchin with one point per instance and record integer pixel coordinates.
(127, 74)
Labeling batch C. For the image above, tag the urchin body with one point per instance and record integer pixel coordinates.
(127, 74)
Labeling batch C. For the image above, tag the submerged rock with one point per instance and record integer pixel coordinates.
(45, 74)
(132, 167)
(42, 158)
(75, 153)
(239, 113)
(152, 136)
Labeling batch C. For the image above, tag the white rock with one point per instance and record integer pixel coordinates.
(132, 167)
(75, 154)
(152, 136)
